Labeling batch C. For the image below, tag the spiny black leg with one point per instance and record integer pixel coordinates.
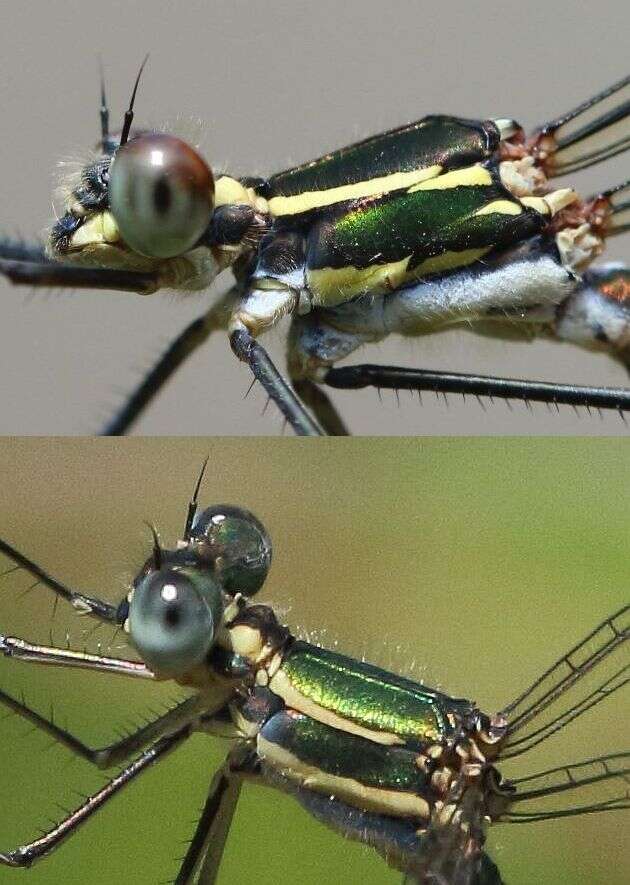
(27, 854)
(172, 358)
(249, 351)
(20, 650)
(322, 407)
(20, 250)
(115, 753)
(49, 273)
(89, 605)
(398, 378)
(178, 351)
(207, 845)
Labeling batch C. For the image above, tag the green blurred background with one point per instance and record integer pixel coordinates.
(470, 563)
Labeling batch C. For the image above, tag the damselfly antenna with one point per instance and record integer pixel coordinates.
(157, 550)
(104, 110)
(129, 112)
(192, 505)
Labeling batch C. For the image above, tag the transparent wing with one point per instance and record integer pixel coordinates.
(590, 672)
(594, 785)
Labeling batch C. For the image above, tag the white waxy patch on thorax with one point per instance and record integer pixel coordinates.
(471, 295)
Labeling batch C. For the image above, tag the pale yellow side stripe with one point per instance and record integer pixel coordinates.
(331, 285)
(450, 261)
(316, 199)
(471, 175)
(551, 203)
(502, 207)
(281, 685)
(393, 802)
(538, 203)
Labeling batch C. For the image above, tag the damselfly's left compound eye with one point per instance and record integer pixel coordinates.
(173, 617)
(238, 544)
(161, 194)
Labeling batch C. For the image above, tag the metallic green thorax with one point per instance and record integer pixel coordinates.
(421, 225)
(345, 755)
(446, 141)
(371, 697)
(382, 214)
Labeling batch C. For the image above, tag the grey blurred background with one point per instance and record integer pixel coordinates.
(275, 83)
(469, 564)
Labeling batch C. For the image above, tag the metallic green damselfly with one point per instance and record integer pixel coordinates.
(384, 759)
(441, 222)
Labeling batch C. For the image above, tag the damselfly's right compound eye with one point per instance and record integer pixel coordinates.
(161, 193)
(238, 544)
(173, 617)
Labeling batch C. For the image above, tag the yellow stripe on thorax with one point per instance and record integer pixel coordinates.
(307, 200)
(471, 175)
(281, 685)
(501, 207)
(397, 803)
(551, 203)
(331, 286)
(228, 190)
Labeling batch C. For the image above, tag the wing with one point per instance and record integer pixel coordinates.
(594, 785)
(589, 673)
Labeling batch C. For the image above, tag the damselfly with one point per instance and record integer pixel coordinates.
(441, 222)
(402, 767)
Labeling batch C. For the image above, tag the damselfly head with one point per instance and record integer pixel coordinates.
(143, 207)
(174, 614)
(143, 204)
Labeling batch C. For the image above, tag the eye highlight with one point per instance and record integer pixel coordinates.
(161, 194)
(173, 617)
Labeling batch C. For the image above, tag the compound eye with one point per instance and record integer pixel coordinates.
(239, 544)
(173, 617)
(161, 194)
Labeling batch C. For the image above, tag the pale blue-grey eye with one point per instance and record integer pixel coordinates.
(173, 617)
(161, 194)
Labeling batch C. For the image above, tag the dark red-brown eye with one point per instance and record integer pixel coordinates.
(161, 195)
